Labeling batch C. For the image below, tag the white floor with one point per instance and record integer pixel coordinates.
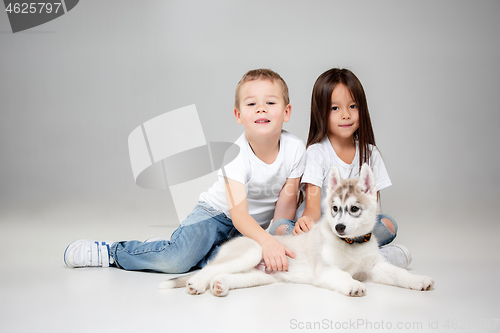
(39, 294)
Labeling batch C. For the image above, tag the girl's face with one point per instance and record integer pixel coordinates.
(344, 116)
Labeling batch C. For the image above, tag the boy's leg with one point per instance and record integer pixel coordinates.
(215, 249)
(190, 243)
(281, 227)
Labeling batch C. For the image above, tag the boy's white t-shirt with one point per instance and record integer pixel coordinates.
(321, 157)
(263, 182)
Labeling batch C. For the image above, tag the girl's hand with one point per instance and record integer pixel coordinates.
(304, 224)
(274, 254)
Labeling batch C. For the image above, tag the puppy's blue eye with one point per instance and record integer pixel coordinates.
(354, 209)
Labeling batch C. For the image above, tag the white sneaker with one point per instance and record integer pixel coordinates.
(396, 254)
(88, 253)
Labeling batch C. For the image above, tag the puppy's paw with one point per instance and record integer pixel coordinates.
(219, 286)
(196, 286)
(353, 289)
(422, 283)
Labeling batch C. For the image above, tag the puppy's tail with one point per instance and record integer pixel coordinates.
(178, 282)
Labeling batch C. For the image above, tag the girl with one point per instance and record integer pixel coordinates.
(341, 134)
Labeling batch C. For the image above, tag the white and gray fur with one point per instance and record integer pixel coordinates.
(322, 258)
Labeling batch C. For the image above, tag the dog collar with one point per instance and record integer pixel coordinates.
(360, 239)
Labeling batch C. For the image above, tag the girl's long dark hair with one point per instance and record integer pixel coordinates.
(321, 102)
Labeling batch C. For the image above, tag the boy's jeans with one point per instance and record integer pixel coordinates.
(194, 243)
(383, 234)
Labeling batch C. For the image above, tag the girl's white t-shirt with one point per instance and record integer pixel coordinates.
(263, 182)
(320, 157)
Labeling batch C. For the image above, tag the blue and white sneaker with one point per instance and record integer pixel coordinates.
(396, 254)
(88, 253)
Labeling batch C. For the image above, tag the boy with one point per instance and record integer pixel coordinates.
(259, 185)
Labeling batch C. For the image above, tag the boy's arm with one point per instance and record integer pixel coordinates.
(273, 252)
(312, 213)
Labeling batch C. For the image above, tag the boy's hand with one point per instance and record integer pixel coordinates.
(304, 224)
(274, 254)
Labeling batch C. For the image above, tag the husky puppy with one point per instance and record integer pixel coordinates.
(338, 248)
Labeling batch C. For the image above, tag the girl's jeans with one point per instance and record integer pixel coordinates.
(382, 233)
(193, 244)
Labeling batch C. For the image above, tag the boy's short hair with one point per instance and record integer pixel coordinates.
(261, 74)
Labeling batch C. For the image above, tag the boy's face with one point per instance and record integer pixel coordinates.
(262, 109)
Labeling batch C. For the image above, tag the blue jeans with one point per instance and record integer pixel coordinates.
(192, 245)
(383, 234)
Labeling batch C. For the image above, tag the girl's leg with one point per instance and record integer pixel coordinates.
(203, 229)
(385, 229)
(281, 227)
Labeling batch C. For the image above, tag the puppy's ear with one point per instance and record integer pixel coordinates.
(366, 182)
(334, 180)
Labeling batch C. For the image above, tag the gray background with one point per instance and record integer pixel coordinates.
(73, 89)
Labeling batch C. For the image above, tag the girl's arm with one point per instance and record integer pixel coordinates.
(286, 205)
(312, 213)
(273, 252)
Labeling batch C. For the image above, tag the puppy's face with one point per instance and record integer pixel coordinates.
(352, 204)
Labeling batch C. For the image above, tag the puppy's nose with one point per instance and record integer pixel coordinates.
(340, 228)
